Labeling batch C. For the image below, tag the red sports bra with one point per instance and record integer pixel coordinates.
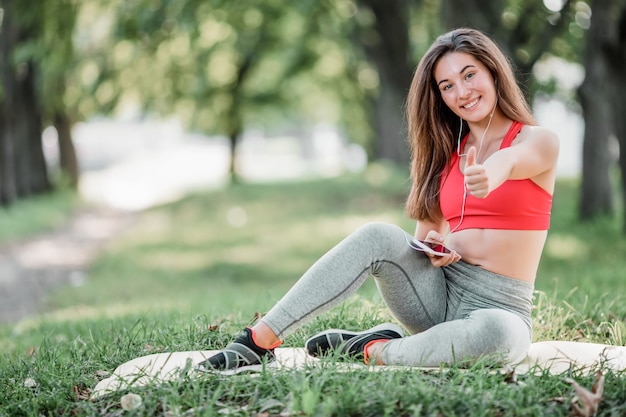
(514, 205)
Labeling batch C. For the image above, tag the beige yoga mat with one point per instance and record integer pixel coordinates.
(554, 356)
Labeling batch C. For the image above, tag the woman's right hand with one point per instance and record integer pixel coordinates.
(436, 260)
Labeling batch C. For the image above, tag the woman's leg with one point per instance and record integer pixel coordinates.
(487, 314)
(491, 332)
(414, 291)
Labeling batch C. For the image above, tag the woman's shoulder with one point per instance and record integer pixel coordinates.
(539, 134)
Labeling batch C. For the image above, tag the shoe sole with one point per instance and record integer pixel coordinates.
(385, 326)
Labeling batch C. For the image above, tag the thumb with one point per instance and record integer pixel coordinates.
(471, 157)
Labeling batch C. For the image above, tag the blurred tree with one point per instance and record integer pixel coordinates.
(223, 65)
(23, 170)
(617, 60)
(602, 98)
(36, 46)
(385, 39)
(56, 61)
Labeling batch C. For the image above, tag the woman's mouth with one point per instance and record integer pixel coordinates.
(471, 104)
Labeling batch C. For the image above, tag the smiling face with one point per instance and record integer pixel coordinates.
(466, 86)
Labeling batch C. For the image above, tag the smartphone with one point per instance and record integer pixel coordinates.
(436, 249)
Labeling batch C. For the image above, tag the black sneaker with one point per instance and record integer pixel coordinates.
(241, 353)
(349, 343)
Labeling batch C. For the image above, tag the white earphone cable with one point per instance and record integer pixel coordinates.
(458, 151)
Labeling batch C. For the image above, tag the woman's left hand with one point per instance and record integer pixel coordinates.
(439, 261)
(476, 179)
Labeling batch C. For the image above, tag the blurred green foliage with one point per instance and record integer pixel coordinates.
(221, 65)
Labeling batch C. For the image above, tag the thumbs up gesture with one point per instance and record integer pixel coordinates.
(471, 157)
(476, 180)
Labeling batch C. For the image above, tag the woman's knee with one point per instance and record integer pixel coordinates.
(503, 332)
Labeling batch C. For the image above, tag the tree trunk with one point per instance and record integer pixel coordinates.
(389, 51)
(616, 56)
(596, 195)
(30, 170)
(35, 169)
(23, 166)
(8, 120)
(8, 187)
(3, 158)
(619, 106)
(478, 14)
(233, 139)
(234, 117)
(67, 152)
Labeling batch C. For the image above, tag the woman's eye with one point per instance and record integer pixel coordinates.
(469, 75)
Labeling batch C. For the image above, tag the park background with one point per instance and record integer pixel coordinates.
(223, 146)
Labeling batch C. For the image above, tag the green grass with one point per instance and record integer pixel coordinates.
(33, 215)
(214, 260)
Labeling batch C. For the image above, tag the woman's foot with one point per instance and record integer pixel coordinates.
(242, 352)
(350, 344)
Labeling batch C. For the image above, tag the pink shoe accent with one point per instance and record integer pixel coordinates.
(275, 345)
(366, 354)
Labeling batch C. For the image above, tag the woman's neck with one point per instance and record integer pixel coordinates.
(483, 135)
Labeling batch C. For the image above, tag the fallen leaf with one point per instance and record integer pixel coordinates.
(81, 393)
(216, 325)
(585, 403)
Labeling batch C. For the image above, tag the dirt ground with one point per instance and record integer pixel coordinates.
(31, 268)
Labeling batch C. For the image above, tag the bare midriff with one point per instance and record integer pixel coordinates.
(514, 253)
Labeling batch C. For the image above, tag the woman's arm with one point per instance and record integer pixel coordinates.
(435, 232)
(533, 156)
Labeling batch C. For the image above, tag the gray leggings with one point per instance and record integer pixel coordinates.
(455, 313)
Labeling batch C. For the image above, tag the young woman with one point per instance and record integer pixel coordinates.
(483, 176)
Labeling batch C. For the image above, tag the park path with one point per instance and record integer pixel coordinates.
(31, 268)
(128, 168)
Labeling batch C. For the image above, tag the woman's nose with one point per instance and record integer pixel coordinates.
(464, 90)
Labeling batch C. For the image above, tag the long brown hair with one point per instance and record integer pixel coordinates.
(432, 126)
